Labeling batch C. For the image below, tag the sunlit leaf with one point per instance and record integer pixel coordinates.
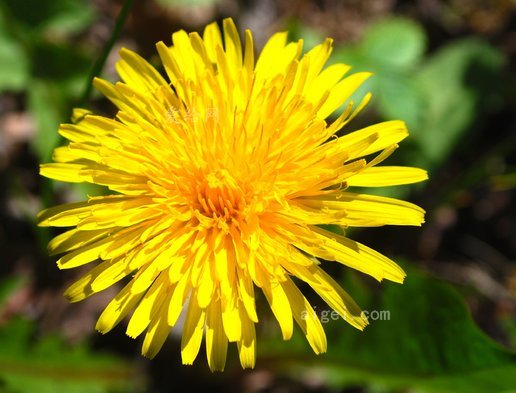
(400, 97)
(458, 82)
(394, 43)
(421, 336)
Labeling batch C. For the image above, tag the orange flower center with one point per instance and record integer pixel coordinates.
(219, 196)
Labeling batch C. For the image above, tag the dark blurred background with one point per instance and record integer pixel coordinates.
(445, 67)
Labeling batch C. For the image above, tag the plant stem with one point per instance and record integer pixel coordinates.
(99, 64)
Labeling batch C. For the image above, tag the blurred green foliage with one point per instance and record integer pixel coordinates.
(47, 365)
(187, 3)
(38, 58)
(425, 340)
(30, 363)
(441, 96)
(14, 65)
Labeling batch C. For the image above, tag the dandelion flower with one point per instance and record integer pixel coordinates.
(221, 177)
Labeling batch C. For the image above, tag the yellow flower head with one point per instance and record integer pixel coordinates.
(221, 178)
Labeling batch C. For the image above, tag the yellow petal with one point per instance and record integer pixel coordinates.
(231, 320)
(192, 331)
(305, 317)
(206, 287)
(246, 294)
(212, 39)
(381, 176)
(332, 293)
(78, 114)
(73, 239)
(81, 289)
(366, 210)
(111, 275)
(110, 92)
(148, 308)
(357, 256)
(125, 241)
(177, 300)
(84, 255)
(117, 309)
(232, 44)
(156, 334)
(137, 72)
(63, 172)
(325, 81)
(145, 277)
(389, 133)
(317, 57)
(247, 345)
(70, 214)
(216, 340)
(341, 92)
(249, 54)
(280, 306)
(171, 66)
(185, 58)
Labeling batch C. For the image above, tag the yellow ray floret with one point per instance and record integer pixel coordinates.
(221, 176)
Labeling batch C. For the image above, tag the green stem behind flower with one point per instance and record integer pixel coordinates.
(101, 60)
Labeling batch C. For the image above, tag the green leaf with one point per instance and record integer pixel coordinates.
(48, 365)
(459, 83)
(394, 43)
(56, 16)
(46, 103)
(400, 97)
(424, 340)
(14, 64)
(70, 16)
(61, 64)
